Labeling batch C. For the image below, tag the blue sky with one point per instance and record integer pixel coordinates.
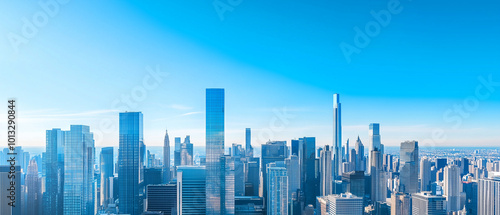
(268, 55)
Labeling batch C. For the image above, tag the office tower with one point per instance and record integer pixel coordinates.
(342, 204)
(54, 177)
(400, 204)
(360, 156)
(79, 195)
(239, 175)
(177, 152)
(33, 184)
(237, 151)
(107, 168)
(378, 177)
(309, 168)
(6, 188)
(427, 204)
(252, 177)
(186, 152)
(277, 190)
(153, 176)
(425, 174)
(161, 198)
(272, 151)
(441, 163)
(191, 196)
(337, 137)
(325, 172)
(166, 158)
(375, 144)
(249, 205)
(452, 187)
(354, 182)
(409, 167)
(295, 147)
(471, 191)
(347, 158)
(248, 143)
(293, 172)
(130, 164)
(216, 190)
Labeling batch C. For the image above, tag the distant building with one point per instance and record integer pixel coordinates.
(409, 167)
(400, 204)
(33, 184)
(325, 172)
(452, 188)
(5, 187)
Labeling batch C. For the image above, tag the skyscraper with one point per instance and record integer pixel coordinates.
(130, 163)
(425, 174)
(452, 188)
(54, 178)
(488, 196)
(337, 137)
(409, 167)
(378, 177)
(166, 158)
(215, 187)
(277, 189)
(400, 204)
(325, 172)
(248, 143)
(6, 186)
(191, 196)
(186, 152)
(272, 151)
(360, 156)
(293, 173)
(375, 144)
(309, 166)
(161, 198)
(79, 195)
(107, 169)
(33, 184)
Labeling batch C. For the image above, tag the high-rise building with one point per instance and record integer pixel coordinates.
(272, 151)
(452, 188)
(79, 185)
(218, 196)
(427, 204)
(375, 144)
(33, 184)
(400, 204)
(166, 159)
(325, 172)
(130, 163)
(191, 196)
(342, 204)
(354, 182)
(248, 143)
(277, 189)
(295, 147)
(378, 177)
(293, 173)
(177, 151)
(310, 169)
(425, 174)
(337, 137)
(161, 198)
(54, 176)
(409, 167)
(186, 152)
(6, 187)
(107, 168)
(252, 177)
(360, 155)
(471, 191)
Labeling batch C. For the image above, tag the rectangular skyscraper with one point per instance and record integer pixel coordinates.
(107, 168)
(409, 167)
(191, 194)
(325, 172)
(79, 195)
(375, 144)
(277, 193)
(54, 167)
(248, 143)
(337, 138)
(130, 165)
(215, 189)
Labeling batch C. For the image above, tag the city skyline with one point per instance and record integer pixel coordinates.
(403, 86)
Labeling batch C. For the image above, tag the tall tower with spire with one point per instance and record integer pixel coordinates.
(166, 158)
(337, 138)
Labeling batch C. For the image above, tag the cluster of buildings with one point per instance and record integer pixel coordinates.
(296, 177)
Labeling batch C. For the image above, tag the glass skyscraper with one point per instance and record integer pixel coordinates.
(79, 181)
(248, 143)
(277, 189)
(337, 138)
(106, 167)
(130, 163)
(214, 151)
(54, 168)
(191, 198)
(409, 167)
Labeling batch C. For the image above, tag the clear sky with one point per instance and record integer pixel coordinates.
(74, 63)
